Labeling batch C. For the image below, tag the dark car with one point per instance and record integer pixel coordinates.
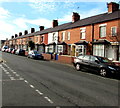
(35, 54)
(20, 52)
(98, 64)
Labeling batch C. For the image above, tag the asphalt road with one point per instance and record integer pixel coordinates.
(28, 82)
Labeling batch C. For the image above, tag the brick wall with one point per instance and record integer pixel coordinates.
(47, 56)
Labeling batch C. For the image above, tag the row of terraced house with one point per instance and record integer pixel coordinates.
(96, 35)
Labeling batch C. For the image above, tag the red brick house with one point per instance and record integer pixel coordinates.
(97, 35)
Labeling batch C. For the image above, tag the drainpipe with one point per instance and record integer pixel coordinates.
(92, 36)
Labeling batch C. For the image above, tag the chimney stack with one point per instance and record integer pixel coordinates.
(112, 6)
(55, 23)
(75, 17)
(32, 30)
(20, 33)
(16, 35)
(41, 28)
(25, 32)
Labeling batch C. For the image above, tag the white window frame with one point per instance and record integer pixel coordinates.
(83, 33)
(63, 36)
(81, 49)
(60, 48)
(115, 32)
(99, 50)
(68, 36)
(103, 32)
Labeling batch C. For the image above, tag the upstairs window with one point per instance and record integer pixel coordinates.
(82, 33)
(113, 31)
(68, 36)
(63, 36)
(102, 30)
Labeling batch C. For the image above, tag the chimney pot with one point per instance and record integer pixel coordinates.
(25, 32)
(12, 37)
(112, 6)
(16, 35)
(32, 30)
(41, 28)
(75, 17)
(55, 23)
(20, 33)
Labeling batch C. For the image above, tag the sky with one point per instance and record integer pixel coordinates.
(20, 15)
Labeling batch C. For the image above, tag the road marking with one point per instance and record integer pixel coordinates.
(49, 100)
(26, 81)
(12, 78)
(21, 78)
(32, 86)
(39, 92)
(17, 74)
(14, 72)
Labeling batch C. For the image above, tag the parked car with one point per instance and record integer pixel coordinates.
(98, 64)
(13, 51)
(34, 54)
(20, 52)
(10, 49)
(4, 48)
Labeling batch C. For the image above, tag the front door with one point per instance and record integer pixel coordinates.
(73, 50)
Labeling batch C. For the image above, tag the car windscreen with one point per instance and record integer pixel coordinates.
(36, 52)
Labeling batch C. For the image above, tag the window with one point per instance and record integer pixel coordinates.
(81, 49)
(113, 31)
(68, 35)
(36, 39)
(60, 48)
(82, 33)
(98, 50)
(102, 31)
(53, 39)
(63, 36)
(42, 38)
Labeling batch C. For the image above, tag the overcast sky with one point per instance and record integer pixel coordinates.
(19, 15)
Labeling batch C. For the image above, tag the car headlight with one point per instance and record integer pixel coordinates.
(111, 68)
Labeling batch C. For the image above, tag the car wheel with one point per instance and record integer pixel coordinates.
(103, 72)
(78, 67)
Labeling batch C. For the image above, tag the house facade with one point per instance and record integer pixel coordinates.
(95, 35)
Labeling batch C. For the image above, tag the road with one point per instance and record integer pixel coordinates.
(28, 82)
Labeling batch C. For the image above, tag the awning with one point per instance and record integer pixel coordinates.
(105, 42)
(53, 43)
(61, 43)
(81, 42)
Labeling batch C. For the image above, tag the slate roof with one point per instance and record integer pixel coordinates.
(82, 22)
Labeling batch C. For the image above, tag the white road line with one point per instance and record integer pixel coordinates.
(7, 73)
(39, 92)
(21, 78)
(49, 100)
(17, 74)
(32, 86)
(26, 81)
(12, 78)
(14, 72)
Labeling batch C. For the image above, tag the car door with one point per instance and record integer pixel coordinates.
(86, 62)
(94, 65)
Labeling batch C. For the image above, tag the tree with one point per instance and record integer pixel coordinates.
(31, 44)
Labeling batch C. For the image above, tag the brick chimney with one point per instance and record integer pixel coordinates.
(41, 28)
(75, 17)
(16, 35)
(25, 32)
(20, 33)
(112, 6)
(32, 30)
(55, 23)
(12, 37)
